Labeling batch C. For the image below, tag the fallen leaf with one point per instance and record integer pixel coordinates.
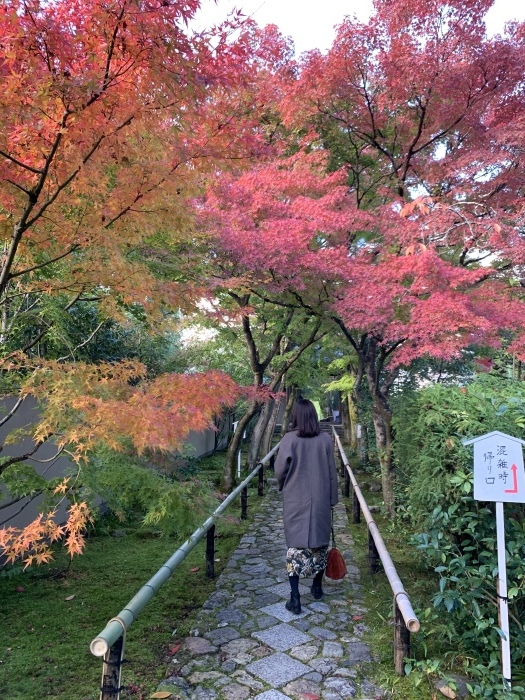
(357, 617)
(175, 649)
(217, 560)
(310, 696)
(19, 589)
(195, 568)
(162, 694)
(70, 597)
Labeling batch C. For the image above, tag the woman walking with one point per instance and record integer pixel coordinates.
(307, 476)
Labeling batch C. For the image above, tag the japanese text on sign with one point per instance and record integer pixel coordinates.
(498, 468)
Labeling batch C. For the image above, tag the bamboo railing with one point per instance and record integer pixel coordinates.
(405, 620)
(110, 642)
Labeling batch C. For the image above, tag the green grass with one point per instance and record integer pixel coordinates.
(420, 585)
(44, 649)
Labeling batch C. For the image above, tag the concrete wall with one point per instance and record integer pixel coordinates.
(25, 511)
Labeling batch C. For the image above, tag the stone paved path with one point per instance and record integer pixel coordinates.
(245, 644)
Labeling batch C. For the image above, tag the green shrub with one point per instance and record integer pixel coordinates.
(429, 428)
(457, 535)
(164, 491)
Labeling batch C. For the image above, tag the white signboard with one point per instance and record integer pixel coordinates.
(499, 476)
(498, 468)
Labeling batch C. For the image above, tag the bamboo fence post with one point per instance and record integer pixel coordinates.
(356, 509)
(260, 481)
(244, 503)
(401, 640)
(210, 552)
(112, 671)
(373, 554)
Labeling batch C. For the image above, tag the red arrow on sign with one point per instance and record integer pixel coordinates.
(514, 469)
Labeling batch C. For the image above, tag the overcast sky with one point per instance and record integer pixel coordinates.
(311, 24)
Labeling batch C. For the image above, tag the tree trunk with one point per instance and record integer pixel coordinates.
(258, 433)
(292, 396)
(345, 420)
(372, 356)
(373, 364)
(266, 444)
(353, 420)
(383, 432)
(228, 475)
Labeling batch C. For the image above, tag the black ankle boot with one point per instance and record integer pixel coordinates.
(294, 604)
(316, 590)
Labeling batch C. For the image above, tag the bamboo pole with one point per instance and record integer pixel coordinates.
(400, 594)
(114, 628)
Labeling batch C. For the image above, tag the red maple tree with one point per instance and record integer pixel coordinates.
(416, 106)
(420, 250)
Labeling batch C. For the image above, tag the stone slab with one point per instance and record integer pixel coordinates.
(278, 669)
(272, 695)
(322, 633)
(305, 653)
(232, 615)
(238, 646)
(323, 666)
(282, 637)
(266, 598)
(333, 649)
(203, 676)
(281, 613)
(198, 645)
(242, 677)
(283, 589)
(222, 635)
(235, 692)
(319, 607)
(302, 687)
(342, 686)
(358, 653)
(265, 621)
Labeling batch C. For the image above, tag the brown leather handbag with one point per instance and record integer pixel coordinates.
(336, 565)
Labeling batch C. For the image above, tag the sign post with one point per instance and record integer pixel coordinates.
(499, 476)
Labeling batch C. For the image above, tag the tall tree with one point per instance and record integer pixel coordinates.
(414, 105)
(107, 126)
(267, 223)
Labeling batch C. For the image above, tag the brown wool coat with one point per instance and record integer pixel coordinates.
(307, 476)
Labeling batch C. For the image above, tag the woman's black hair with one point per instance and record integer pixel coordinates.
(304, 419)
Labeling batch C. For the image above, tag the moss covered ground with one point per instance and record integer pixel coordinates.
(50, 614)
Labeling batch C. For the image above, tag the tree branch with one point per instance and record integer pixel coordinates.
(14, 160)
(21, 458)
(74, 247)
(12, 411)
